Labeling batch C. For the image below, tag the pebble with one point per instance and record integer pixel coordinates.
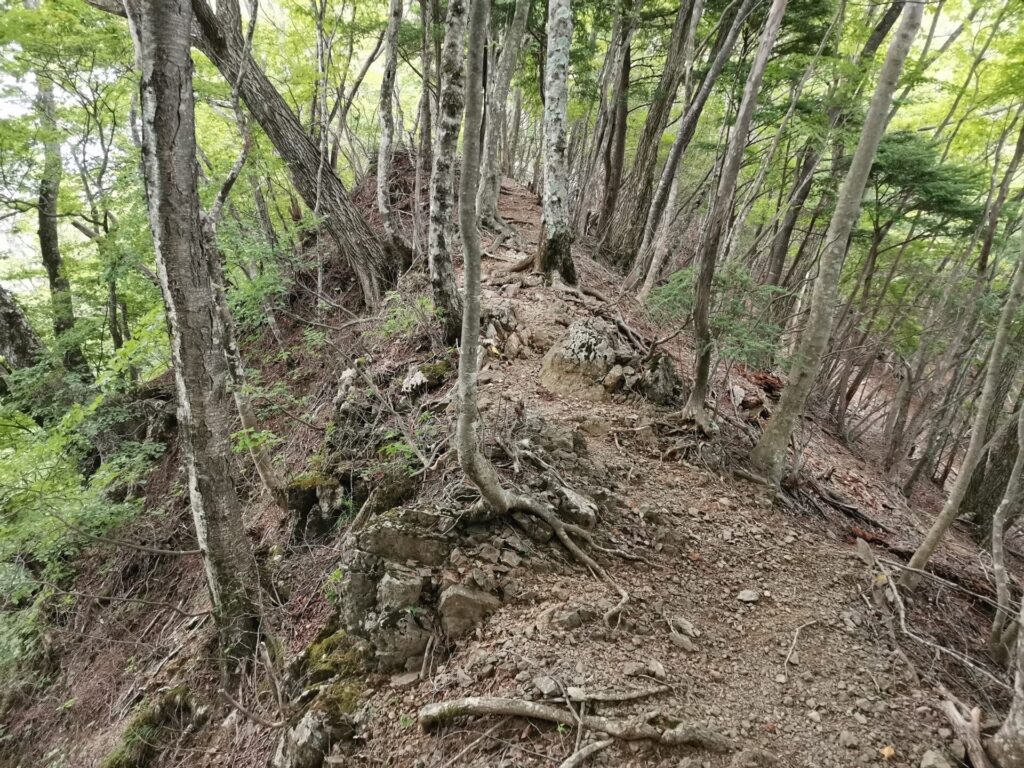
(748, 596)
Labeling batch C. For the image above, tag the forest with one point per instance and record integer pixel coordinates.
(511, 383)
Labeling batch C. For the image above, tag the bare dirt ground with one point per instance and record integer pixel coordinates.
(788, 651)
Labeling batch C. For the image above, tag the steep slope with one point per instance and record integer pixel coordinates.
(751, 616)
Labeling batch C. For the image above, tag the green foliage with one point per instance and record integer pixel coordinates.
(404, 317)
(737, 298)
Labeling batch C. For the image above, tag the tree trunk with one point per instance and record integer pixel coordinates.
(687, 129)
(387, 123)
(951, 509)
(61, 305)
(374, 263)
(769, 454)
(628, 219)
(442, 175)
(497, 96)
(721, 209)
(187, 274)
(20, 347)
(554, 252)
(616, 146)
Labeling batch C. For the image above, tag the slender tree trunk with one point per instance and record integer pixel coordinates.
(554, 251)
(721, 209)
(769, 454)
(442, 175)
(187, 272)
(628, 219)
(1010, 498)
(497, 96)
(387, 123)
(374, 263)
(951, 509)
(687, 129)
(61, 305)
(616, 146)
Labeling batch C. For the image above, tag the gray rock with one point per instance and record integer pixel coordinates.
(399, 541)
(575, 616)
(462, 608)
(578, 364)
(682, 642)
(404, 679)
(634, 669)
(614, 379)
(685, 626)
(848, 740)
(546, 685)
(748, 596)
(934, 759)
(399, 588)
(398, 637)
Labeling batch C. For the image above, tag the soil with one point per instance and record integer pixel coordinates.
(791, 652)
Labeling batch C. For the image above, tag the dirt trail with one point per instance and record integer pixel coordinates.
(759, 584)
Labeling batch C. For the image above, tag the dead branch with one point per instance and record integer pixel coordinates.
(615, 696)
(968, 731)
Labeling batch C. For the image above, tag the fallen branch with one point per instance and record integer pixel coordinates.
(684, 734)
(619, 697)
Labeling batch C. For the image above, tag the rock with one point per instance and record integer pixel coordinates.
(462, 608)
(579, 509)
(656, 669)
(532, 527)
(575, 616)
(398, 637)
(398, 540)
(748, 596)
(404, 680)
(614, 379)
(399, 588)
(578, 364)
(513, 347)
(682, 641)
(634, 669)
(546, 685)
(684, 626)
(848, 740)
(814, 716)
(595, 427)
(660, 383)
(934, 759)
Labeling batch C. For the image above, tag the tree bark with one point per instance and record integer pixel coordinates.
(721, 209)
(769, 454)
(187, 273)
(497, 96)
(442, 175)
(20, 347)
(554, 252)
(387, 123)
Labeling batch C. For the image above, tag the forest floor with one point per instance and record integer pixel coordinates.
(791, 651)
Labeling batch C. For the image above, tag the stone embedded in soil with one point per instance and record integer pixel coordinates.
(748, 596)
(404, 680)
(393, 540)
(682, 642)
(848, 739)
(548, 686)
(462, 608)
(934, 759)
(634, 669)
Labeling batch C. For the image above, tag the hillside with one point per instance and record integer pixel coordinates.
(748, 615)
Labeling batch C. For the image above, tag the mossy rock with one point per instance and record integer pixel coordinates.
(154, 724)
(435, 373)
(338, 701)
(338, 655)
(305, 481)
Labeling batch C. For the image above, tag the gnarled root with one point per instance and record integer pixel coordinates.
(684, 734)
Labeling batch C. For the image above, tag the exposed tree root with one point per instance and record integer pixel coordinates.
(581, 756)
(684, 734)
(617, 697)
(968, 731)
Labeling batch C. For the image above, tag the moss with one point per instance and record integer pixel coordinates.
(338, 655)
(338, 701)
(435, 373)
(307, 481)
(141, 740)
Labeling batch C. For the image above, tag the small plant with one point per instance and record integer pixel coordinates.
(253, 440)
(332, 587)
(403, 317)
